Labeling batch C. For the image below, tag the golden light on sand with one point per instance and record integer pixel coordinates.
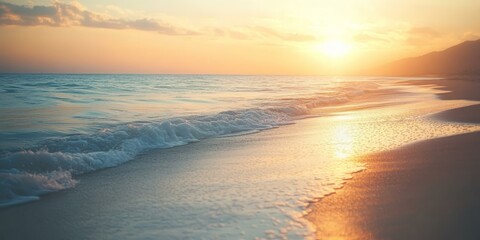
(334, 48)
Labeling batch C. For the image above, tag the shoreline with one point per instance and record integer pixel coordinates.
(121, 201)
(424, 190)
(395, 198)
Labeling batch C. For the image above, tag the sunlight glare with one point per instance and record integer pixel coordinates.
(334, 48)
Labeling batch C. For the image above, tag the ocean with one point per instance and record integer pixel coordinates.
(54, 128)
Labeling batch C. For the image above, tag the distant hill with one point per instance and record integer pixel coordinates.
(461, 59)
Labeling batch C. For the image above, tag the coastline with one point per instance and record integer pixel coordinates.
(145, 197)
(424, 190)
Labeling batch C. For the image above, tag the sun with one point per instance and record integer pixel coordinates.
(334, 48)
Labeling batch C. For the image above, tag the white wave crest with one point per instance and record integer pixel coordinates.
(19, 187)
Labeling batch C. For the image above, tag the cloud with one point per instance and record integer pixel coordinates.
(421, 35)
(424, 31)
(399, 33)
(260, 33)
(74, 14)
(469, 36)
(379, 35)
(295, 37)
(118, 11)
(365, 37)
(60, 14)
(232, 33)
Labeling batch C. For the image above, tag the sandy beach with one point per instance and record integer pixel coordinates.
(425, 190)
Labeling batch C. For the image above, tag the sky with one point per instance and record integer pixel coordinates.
(296, 37)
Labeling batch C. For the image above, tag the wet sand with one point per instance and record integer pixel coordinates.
(469, 114)
(461, 89)
(425, 190)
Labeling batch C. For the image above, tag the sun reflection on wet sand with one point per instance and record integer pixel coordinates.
(355, 133)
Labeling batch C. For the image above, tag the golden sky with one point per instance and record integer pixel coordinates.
(226, 37)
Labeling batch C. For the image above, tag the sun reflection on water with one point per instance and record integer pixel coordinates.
(343, 137)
